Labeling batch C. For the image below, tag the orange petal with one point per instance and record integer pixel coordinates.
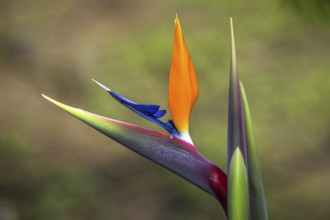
(183, 88)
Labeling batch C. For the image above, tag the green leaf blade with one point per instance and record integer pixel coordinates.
(258, 204)
(236, 133)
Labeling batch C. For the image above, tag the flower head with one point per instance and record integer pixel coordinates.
(175, 151)
(182, 94)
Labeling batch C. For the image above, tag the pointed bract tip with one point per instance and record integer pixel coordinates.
(46, 97)
(59, 104)
(233, 49)
(101, 85)
(232, 28)
(241, 84)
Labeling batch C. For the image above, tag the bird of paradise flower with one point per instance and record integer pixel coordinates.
(241, 193)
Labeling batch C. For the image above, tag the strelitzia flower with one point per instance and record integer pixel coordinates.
(176, 151)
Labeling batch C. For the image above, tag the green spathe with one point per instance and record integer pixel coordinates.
(176, 155)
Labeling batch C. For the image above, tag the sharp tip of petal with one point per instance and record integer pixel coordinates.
(176, 21)
(101, 85)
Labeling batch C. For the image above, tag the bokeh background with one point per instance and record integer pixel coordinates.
(52, 166)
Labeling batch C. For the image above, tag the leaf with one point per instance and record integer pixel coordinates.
(257, 196)
(238, 192)
(174, 154)
(236, 133)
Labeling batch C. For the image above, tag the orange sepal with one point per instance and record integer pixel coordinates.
(183, 87)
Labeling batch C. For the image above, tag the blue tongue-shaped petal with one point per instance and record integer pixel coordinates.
(148, 111)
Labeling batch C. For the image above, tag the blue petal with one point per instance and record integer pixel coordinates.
(159, 114)
(148, 108)
(148, 111)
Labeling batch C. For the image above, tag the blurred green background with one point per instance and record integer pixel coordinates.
(54, 167)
